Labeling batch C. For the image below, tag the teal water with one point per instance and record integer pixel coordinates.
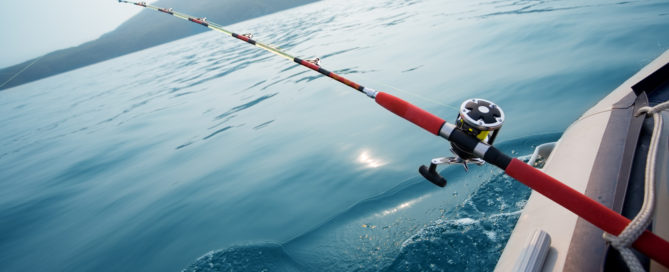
(208, 154)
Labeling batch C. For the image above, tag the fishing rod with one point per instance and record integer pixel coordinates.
(471, 139)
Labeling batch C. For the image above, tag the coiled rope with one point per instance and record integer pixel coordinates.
(641, 221)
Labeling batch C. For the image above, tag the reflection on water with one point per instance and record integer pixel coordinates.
(399, 207)
(368, 161)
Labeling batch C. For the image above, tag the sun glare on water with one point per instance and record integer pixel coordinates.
(367, 161)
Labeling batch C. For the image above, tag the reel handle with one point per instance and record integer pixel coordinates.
(432, 175)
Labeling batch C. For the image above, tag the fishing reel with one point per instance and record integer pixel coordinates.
(478, 118)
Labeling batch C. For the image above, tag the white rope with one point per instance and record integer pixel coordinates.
(641, 221)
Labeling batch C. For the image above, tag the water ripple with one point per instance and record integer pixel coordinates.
(216, 132)
(245, 106)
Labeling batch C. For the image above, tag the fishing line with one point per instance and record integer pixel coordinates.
(24, 68)
(423, 98)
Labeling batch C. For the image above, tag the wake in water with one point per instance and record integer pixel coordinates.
(470, 237)
(263, 257)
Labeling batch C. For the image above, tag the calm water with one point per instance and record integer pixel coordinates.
(209, 154)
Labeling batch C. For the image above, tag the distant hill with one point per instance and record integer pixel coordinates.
(144, 30)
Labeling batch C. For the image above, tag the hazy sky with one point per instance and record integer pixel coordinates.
(32, 28)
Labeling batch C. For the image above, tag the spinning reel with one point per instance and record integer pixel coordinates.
(478, 118)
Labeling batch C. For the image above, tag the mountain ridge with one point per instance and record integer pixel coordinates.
(144, 30)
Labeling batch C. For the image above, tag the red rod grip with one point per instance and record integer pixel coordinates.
(406, 110)
(592, 211)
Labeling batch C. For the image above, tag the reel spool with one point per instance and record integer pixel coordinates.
(478, 118)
